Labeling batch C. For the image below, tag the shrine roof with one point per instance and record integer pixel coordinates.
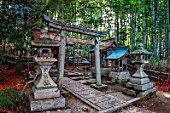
(105, 44)
(117, 53)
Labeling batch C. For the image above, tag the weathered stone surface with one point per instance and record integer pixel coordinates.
(120, 75)
(87, 92)
(63, 110)
(92, 95)
(109, 103)
(45, 80)
(129, 92)
(90, 81)
(141, 94)
(76, 78)
(121, 96)
(139, 80)
(104, 71)
(96, 100)
(99, 87)
(53, 72)
(140, 87)
(138, 93)
(140, 73)
(134, 109)
(39, 105)
(45, 93)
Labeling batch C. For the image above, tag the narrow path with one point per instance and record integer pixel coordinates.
(96, 99)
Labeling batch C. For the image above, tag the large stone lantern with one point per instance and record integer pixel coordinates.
(139, 84)
(45, 96)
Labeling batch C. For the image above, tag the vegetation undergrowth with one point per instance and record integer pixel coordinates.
(10, 100)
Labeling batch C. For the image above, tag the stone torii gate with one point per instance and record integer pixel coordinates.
(80, 30)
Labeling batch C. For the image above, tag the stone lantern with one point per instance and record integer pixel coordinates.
(139, 84)
(45, 94)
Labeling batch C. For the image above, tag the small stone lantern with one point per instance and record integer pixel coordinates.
(139, 84)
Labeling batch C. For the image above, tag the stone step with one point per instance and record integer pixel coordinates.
(46, 104)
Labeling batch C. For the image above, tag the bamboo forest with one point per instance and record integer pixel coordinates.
(84, 56)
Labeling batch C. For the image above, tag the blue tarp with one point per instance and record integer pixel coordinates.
(117, 53)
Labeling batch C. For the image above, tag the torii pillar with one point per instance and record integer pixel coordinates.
(98, 84)
(61, 60)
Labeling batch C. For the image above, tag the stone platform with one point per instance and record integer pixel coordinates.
(46, 104)
(119, 77)
(96, 99)
(44, 93)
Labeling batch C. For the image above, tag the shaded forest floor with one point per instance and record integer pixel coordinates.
(158, 103)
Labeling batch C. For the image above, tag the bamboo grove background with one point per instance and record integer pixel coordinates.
(130, 21)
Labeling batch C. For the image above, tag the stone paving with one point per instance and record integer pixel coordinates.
(96, 98)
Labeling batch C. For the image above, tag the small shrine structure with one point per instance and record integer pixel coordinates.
(139, 84)
(119, 72)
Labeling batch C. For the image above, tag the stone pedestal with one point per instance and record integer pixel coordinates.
(139, 84)
(45, 94)
(119, 77)
(46, 104)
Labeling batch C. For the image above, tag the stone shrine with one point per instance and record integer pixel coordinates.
(139, 84)
(45, 95)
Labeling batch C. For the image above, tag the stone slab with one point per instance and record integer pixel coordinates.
(45, 93)
(137, 93)
(90, 81)
(79, 89)
(76, 78)
(139, 80)
(143, 87)
(122, 96)
(87, 92)
(104, 71)
(145, 93)
(109, 103)
(99, 87)
(98, 99)
(129, 92)
(120, 75)
(40, 105)
(92, 95)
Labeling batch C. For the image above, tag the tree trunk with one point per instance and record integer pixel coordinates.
(153, 24)
(132, 33)
(168, 21)
(138, 29)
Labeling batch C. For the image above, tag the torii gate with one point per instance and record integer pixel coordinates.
(81, 30)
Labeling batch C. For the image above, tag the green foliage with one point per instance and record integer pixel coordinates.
(20, 63)
(2, 59)
(10, 98)
(17, 18)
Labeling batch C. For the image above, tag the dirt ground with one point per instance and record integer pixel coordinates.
(159, 103)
